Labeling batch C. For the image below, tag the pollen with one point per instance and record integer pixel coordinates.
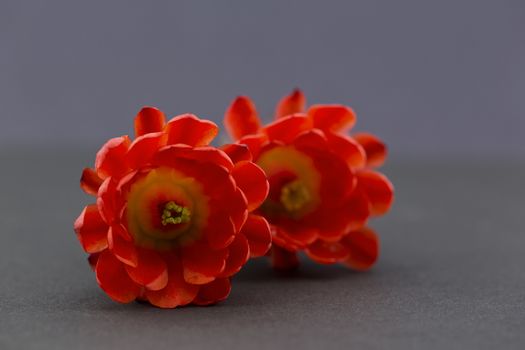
(175, 214)
(294, 196)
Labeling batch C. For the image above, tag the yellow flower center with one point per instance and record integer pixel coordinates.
(175, 214)
(294, 196)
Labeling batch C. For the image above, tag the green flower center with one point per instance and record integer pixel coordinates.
(175, 214)
(294, 196)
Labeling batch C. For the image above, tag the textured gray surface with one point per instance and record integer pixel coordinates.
(451, 273)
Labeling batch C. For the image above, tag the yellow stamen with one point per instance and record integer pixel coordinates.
(294, 196)
(175, 214)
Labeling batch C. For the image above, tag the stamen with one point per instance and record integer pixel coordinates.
(175, 214)
(294, 196)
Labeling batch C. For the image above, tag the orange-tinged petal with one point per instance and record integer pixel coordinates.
(239, 253)
(151, 270)
(123, 249)
(375, 149)
(257, 232)
(177, 292)
(251, 179)
(90, 181)
(213, 292)
(239, 209)
(254, 142)
(237, 152)
(91, 230)
(111, 158)
(199, 154)
(291, 104)
(220, 230)
(314, 138)
(113, 279)
(144, 147)
(378, 189)
(190, 130)
(299, 236)
(287, 128)
(283, 259)
(327, 252)
(363, 246)
(201, 263)
(106, 200)
(332, 117)
(241, 118)
(348, 149)
(149, 119)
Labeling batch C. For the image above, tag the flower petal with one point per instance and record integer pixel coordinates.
(190, 130)
(251, 179)
(327, 252)
(332, 117)
(111, 158)
(90, 182)
(363, 246)
(348, 149)
(314, 138)
(201, 263)
(254, 142)
(143, 148)
(291, 104)
(213, 292)
(113, 279)
(237, 152)
(287, 128)
(220, 230)
(91, 230)
(283, 259)
(257, 232)
(149, 119)
(151, 270)
(239, 253)
(123, 249)
(241, 118)
(199, 154)
(238, 209)
(375, 149)
(106, 200)
(378, 189)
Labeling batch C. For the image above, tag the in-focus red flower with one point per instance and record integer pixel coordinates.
(323, 185)
(172, 220)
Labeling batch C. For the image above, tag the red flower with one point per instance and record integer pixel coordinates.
(323, 186)
(172, 220)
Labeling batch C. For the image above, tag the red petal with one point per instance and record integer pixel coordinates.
(313, 138)
(151, 270)
(148, 120)
(291, 104)
(257, 231)
(190, 130)
(252, 181)
(283, 259)
(142, 150)
(106, 200)
(201, 263)
(177, 292)
(213, 292)
(332, 117)
(238, 255)
(295, 237)
(237, 152)
(241, 118)
(363, 246)
(123, 249)
(378, 189)
(113, 279)
(375, 148)
(90, 182)
(287, 128)
(327, 252)
(111, 160)
(254, 143)
(92, 260)
(220, 230)
(238, 209)
(91, 230)
(200, 154)
(348, 149)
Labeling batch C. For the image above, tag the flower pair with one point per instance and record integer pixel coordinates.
(175, 218)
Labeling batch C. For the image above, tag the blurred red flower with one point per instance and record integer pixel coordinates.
(323, 185)
(172, 220)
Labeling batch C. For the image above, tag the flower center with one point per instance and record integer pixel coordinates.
(294, 196)
(175, 214)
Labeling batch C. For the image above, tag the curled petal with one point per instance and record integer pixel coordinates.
(257, 231)
(239, 253)
(151, 270)
(237, 152)
(143, 148)
(148, 120)
(213, 292)
(91, 230)
(285, 129)
(291, 104)
(363, 247)
(113, 279)
(254, 142)
(378, 189)
(283, 259)
(332, 117)
(241, 118)
(90, 182)
(251, 179)
(375, 149)
(201, 263)
(111, 158)
(123, 249)
(348, 149)
(177, 292)
(190, 130)
(327, 252)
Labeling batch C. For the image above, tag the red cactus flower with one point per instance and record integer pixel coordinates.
(323, 185)
(172, 220)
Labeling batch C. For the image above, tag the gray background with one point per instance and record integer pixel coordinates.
(442, 82)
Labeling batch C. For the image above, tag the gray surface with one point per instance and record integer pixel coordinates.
(415, 71)
(451, 274)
